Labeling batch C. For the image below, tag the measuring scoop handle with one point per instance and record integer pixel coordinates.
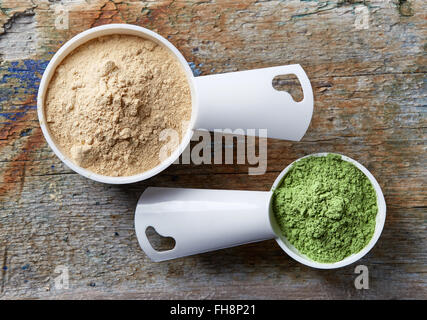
(201, 220)
(247, 100)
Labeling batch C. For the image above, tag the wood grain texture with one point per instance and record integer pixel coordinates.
(370, 104)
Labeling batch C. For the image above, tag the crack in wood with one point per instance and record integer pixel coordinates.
(3, 270)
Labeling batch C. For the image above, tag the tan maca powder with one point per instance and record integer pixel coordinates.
(109, 100)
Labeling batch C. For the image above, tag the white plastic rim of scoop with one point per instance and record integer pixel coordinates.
(235, 100)
(202, 220)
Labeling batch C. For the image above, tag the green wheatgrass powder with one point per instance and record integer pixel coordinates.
(326, 207)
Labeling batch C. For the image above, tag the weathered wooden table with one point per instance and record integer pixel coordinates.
(367, 63)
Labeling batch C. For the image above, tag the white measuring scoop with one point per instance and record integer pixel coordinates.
(236, 100)
(202, 220)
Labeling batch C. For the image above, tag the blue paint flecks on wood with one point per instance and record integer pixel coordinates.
(195, 69)
(19, 81)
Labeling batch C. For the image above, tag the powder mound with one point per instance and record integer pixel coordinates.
(110, 99)
(326, 208)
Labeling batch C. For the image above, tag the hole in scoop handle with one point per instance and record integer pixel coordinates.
(247, 100)
(201, 220)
